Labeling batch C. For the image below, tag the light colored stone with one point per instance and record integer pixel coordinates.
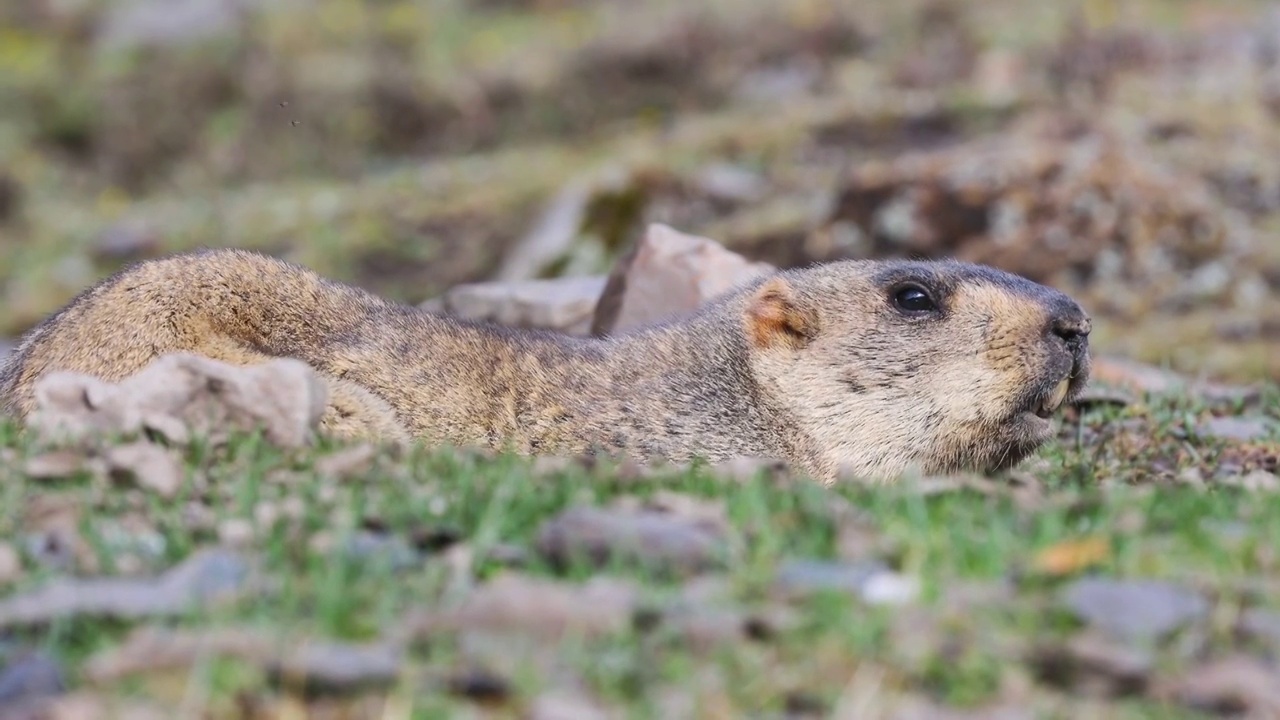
(235, 532)
(668, 274)
(560, 226)
(170, 22)
(208, 575)
(1141, 378)
(180, 396)
(10, 564)
(150, 467)
(562, 304)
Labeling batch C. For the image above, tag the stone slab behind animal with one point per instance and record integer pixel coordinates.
(669, 273)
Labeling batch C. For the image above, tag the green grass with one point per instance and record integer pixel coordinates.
(963, 652)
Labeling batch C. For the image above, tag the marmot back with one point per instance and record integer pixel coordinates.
(863, 366)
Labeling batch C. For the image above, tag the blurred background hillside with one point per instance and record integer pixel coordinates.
(1127, 152)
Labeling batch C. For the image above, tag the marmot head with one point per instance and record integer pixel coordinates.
(940, 366)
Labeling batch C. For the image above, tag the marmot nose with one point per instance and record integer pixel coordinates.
(1070, 322)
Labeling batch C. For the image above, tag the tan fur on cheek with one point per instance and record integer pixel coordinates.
(1006, 332)
(980, 393)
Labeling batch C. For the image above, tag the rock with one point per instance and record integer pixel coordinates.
(149, 649)
(704, 630)
(180, 395)
(1239, 429)
(1235, 685)
(1244, 458)
(85, 705)
(802, 577)
(10, 564)
(556, 230)
(871, 581)
(562, 304)
(660, 541)
(204, 577)
(148, 466)
(667, 274)
(56, 465)
(1257, 481)
(731, 183)
(1144, 379)
(1094, 665)
(235, 532)
(1133, 610)
(567, 705)
(303, 666)
(890, 588)
(914, 708)
(333, 667)
(771, 84)
(516, 604)
(374, 548)
(169, 22)
(347, 463)
(999, 76)
(1098, 395)
(706, 512)
(509, 555)
(1261, 626)
(33, 675)
(51, 535)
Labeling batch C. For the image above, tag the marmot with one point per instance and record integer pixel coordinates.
(865, 367)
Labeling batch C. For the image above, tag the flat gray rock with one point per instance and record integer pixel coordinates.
(661, 541)
(1240, 429)
(1133, 610)
(30, 676)
(205, 576)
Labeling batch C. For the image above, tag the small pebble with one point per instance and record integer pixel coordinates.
(10, 564)
(33, 675)
(235, 532)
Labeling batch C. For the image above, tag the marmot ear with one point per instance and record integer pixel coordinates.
(776, 318)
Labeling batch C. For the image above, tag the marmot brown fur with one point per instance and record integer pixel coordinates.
(867, 367)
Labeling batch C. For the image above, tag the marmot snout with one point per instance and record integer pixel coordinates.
(863, 366)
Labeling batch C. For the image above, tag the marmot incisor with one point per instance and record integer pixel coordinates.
(868, 367)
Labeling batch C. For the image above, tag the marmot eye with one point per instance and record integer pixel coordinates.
(913, 299)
